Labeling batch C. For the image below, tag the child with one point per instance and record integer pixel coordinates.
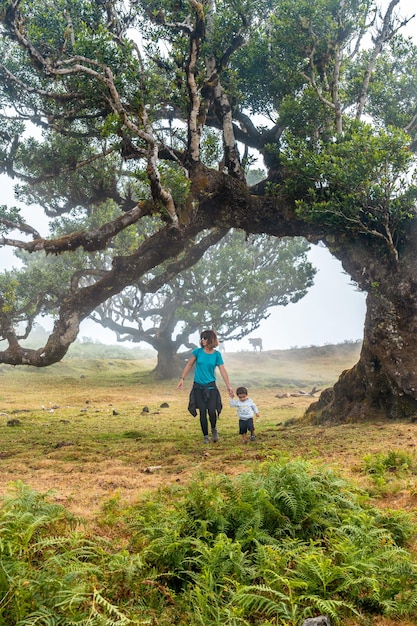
(246, 409)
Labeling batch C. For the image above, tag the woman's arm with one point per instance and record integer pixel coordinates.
(225, 377)
(186, 369)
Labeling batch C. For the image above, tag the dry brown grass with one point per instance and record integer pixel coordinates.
(83, 433)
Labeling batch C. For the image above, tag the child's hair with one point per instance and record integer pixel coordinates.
(241, 391)
(211, 337)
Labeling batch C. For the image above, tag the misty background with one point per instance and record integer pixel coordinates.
(333, 311)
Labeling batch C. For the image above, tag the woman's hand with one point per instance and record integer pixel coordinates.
(185, 371)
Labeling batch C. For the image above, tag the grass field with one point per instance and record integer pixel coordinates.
(79, 427)
(91, 430)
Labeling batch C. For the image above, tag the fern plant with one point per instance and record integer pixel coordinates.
(385, 464)
(50, 572)
(272, 546)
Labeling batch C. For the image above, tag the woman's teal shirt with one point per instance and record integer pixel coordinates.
(205, 365)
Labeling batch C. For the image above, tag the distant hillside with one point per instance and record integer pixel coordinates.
(304, 368)
(297, 368)
(96, 350)
(315, 366)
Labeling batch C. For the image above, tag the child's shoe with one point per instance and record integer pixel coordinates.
(214, 435)
(206, 439)
(252, 437)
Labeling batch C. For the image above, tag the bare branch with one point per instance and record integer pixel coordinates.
(190, 258)
(19, 225)
(61, 97)
(85, 273)
(385, 33)
(91, 240)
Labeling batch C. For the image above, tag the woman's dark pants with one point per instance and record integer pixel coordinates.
(206, 403)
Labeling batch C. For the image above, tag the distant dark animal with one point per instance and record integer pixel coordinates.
(256, 343)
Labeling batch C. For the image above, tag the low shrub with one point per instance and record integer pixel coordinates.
(272, 546)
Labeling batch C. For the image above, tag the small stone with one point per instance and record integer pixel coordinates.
(13, 422)
(151, 469)
(321, 620)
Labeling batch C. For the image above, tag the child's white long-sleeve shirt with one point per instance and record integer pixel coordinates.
(245, 408)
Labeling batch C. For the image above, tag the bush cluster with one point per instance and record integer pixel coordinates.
(272, 546)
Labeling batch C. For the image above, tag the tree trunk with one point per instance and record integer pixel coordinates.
(384, 381)
(169, 365)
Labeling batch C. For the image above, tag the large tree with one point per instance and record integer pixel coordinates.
(127, 91)
(270, 272)
(162, 311)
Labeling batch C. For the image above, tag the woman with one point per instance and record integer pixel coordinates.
(204, 395)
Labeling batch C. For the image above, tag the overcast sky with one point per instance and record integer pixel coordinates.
(333, 311)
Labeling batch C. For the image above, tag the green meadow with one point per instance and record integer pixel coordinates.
(114, 512)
